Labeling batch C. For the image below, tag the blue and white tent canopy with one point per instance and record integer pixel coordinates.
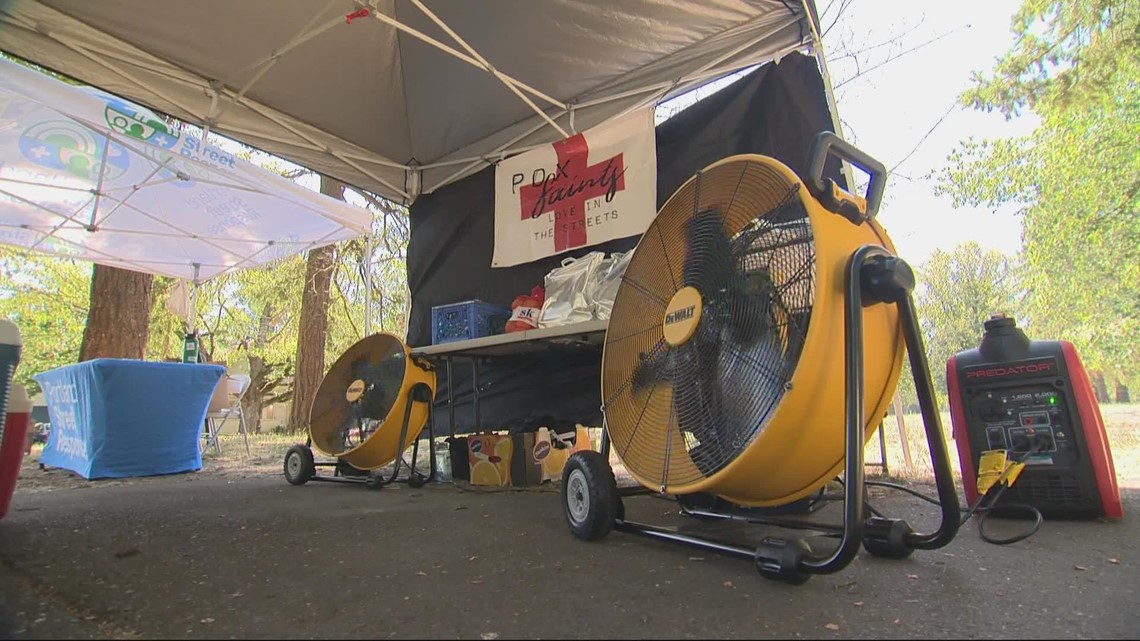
(91, 176)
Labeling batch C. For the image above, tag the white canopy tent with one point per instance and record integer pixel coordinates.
(88, 175)
(401, 97)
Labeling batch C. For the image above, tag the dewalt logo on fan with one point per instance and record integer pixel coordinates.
(683, 314)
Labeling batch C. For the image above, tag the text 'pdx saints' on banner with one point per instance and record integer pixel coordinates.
(595, 186)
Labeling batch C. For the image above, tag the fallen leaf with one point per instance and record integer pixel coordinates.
(912, 577)
(237, 594)
(421, 573)
(728, 584)
(472, 558)
(858, 604)
(898, 621)
(122, 554)
(208, 620)
(832, 626)
(1079, 568)
(1114, 561)
(477, 582)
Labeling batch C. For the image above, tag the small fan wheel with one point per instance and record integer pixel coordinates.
(299, 467)
(590, 500)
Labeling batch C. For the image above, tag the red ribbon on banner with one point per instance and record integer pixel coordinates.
(359, 13)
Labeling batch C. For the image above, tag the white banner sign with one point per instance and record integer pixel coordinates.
(596, 186)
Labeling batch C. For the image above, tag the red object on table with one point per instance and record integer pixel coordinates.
(12, 443)
(525, 310)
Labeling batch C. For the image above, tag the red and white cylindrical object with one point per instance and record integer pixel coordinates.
(12, 443)
(16, 410)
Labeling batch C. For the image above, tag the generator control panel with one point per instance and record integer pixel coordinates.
(1034, 417)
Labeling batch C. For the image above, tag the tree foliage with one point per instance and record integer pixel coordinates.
(957, 292)
(1076, 177)
(47, 298)
(1066, 53)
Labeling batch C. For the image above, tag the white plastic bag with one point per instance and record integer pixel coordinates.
(604, 285)
(567, 291)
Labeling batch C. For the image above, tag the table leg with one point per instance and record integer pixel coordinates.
(432, 472)
(475, 392)
(450, 399)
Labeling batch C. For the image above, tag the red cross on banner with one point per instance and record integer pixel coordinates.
(593, 187)
(566, 191)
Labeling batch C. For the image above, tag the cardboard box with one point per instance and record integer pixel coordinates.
(554, 457)
(489, 456)
(526, 470)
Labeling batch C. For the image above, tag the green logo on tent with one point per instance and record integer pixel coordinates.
(142, 125)
(64, 145)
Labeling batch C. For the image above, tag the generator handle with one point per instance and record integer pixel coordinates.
(825, 189)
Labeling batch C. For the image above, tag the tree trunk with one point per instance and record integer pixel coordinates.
(1100, 389)
(118, 318)
(253, 401)
(313, 330)
(254, 398)
(1122, 393)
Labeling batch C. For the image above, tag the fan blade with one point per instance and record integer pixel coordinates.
(708, 254)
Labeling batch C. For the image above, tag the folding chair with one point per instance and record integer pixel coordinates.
(219, 413)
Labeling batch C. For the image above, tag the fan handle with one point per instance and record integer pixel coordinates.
(829, 194)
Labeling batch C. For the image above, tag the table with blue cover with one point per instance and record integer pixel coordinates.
(115, 418)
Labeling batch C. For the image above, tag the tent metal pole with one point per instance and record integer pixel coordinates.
(829, 91)
(264, 112)
(679, 81)
(193, 311)
(119, 72)
(99, 186)
(376, 13)
(368, 286)
(491, 69)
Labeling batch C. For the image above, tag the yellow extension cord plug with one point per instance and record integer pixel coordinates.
(994, 468)
(991, 468)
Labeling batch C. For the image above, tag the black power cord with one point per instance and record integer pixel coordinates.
(992, 494)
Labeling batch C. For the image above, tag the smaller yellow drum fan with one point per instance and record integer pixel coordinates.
(371, 406)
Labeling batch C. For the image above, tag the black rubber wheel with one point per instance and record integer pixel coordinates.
(417, 480)
(375, 482)
(299, 467)
(590, 499)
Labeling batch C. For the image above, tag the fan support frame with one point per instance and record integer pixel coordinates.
(873, 276)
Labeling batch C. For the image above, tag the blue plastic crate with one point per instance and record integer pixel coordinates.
(466, 320)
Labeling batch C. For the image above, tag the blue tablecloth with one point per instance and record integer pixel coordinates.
(114, 418)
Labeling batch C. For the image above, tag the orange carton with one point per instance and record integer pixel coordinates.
(490, 458)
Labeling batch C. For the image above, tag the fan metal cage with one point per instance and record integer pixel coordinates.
(686, 410)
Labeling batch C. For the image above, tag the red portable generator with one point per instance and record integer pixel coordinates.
(1018, 395)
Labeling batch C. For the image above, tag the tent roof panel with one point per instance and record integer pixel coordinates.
(359, 100)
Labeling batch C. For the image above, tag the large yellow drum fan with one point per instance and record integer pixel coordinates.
(370, 408)
(754, 345)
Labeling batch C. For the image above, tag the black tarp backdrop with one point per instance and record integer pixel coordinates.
(777, 110)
